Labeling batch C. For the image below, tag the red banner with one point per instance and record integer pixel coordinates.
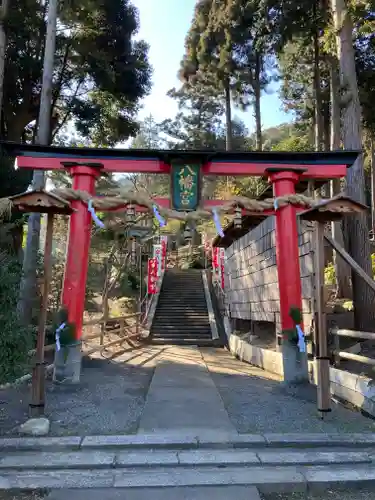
(222, 276)
(163, 241)
(152, 275)
(222, 268)
(215, 258)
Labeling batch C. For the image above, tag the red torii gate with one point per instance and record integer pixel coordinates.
(288, 173)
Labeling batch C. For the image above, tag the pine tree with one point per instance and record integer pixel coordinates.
(197, 124)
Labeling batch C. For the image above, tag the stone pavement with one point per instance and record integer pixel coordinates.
(182, 395)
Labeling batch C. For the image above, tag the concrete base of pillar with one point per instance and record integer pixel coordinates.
(67, 369)
(295, 364)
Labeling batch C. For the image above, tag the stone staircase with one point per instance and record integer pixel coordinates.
(181, 316)
(168, 466)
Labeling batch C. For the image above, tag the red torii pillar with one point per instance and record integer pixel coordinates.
(284, 171)
(77, 255)
(287, 250)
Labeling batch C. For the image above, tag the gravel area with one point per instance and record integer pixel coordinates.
(109, 399)
(327, 495)
(257, 402)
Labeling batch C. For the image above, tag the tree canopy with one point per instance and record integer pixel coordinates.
(101, 72)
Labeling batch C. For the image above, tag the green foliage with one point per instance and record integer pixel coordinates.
(291, 334)
(296, 314)
(330, 274)
(133, 281)
(101, 72)
(373, 263)
(198, 123)
(15, 340)
(68, 333)
(228, 55)
(293, 143)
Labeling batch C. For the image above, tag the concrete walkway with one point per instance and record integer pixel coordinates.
(182, 395)
(208, 390)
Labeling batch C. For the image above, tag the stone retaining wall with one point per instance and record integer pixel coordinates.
(356, 389)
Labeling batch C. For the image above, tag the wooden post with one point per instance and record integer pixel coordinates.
(36, 406)
(137, 325)
(122, 327)
(322, 359)
(313, 342)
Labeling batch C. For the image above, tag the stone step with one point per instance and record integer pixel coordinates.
(183, 317)
(179, 493)
(180, 335)
(202, 325)
(176, 338)
(199, 342)
(266, 478)
(180, 326)
(180, 281)
(185, 309)
(185, 322)
(178, 332)
(182, 300)
(130, 459)
(188, 307)
(191, 439)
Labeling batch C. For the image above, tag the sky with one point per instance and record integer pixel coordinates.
(163, 25)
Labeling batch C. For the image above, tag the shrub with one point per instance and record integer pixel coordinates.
(330, 274)
(15, 340)
(373, 263)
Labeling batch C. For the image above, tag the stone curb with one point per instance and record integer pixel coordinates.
(189, 441)
(266, 478)
(94, 459)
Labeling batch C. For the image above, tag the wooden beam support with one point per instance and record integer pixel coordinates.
(352, 263)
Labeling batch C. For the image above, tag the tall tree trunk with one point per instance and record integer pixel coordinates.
(342, 270)
(356, 227)
(28, 287)
(373, 186)
(317, 91)
(228, 122)
(257, 95)
(228, 116)
(3, 43)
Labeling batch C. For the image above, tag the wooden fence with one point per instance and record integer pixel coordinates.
(115, 325)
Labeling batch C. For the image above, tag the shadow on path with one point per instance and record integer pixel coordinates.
(113, 393)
